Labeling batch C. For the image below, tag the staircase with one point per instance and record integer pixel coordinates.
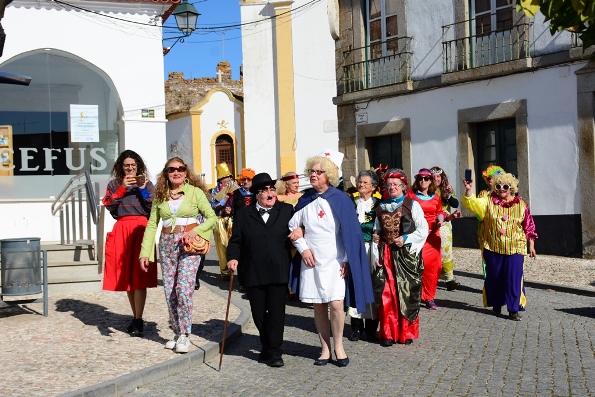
(73, 268)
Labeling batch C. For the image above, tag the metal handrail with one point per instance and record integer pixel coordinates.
(468, 51)
(376, 72)
(66, 205)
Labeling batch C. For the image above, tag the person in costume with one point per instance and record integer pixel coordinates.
(128, 198)
(449, 204)
(508, 226)
(179, 198)
(259, 249)
(332, 268)
(399, 257)
(288, 192)
(242, 197)
(366, 199)
(218, 198)
(288, 188)
(488, 175)
(424, 192)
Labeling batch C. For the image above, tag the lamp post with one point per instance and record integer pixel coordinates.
(186, 18)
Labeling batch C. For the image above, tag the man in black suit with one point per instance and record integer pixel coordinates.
(259, 249)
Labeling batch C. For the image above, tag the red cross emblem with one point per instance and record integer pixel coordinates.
(321, 213)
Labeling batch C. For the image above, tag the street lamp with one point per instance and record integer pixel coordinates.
(186, 18)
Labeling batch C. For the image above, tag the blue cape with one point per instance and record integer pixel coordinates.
(358, 291)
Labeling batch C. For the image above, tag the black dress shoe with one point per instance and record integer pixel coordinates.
(264, 357)
(497, 310)
(452, 285)
(387, 342)
(275, 362)
(130, 327)
(408, 341)
(355, 335)
(321, 361)
(515, 316)
(341, 362)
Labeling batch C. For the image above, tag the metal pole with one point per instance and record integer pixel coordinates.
(45, 283)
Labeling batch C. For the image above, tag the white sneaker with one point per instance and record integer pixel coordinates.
(172, 343)
(183, 344)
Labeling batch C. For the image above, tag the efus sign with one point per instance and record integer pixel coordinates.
(32, 155)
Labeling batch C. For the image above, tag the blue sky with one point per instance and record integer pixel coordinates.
(199, 54)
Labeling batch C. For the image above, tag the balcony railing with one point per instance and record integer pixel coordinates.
(377, 70)
(461, 51)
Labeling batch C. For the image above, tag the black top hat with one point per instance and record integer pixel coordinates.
(261, 180)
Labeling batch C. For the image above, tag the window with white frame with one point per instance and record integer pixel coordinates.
(382, 27)
(492, 21)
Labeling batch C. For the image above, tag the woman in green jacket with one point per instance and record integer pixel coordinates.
(179, 201)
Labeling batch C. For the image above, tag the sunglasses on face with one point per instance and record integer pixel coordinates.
(317, 172)
(266, 189)
(424, 178)
(171, 170)
(502, 187)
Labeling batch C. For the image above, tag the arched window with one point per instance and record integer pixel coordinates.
(64, 122)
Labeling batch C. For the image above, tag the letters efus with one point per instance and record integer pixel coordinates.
(97, 155)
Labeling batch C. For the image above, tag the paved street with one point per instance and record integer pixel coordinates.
(463, 350)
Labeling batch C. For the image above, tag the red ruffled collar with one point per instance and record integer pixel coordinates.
(505, 204)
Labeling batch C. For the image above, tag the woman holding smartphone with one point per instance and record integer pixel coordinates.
(128, 198)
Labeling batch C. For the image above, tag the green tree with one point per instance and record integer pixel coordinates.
(576, 16)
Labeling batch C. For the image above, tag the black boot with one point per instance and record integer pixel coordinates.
(200, 267)
(357, 328)
(138, 329)
(371, 327)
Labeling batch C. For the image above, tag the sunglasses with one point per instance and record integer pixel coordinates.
(171, 170)
(317, 172)
(424, 178)
(267, 189)
(502, 187)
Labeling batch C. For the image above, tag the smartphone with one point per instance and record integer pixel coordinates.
(140, 180)
(468, 175)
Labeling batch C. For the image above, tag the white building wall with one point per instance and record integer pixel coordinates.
(179, 139)
(552, 126)
(131, 55)
(315, 82)
(314, 85)
(260, 105)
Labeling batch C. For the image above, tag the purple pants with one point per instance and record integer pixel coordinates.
(504, 280)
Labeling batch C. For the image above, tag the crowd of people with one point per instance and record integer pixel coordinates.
(375, 253)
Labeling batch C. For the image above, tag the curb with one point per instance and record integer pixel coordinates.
(539, 285)
(130, 382)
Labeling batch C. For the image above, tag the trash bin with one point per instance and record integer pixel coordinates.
(20, 266)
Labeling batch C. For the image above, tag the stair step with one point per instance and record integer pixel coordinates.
(73, 270)
(69, 252)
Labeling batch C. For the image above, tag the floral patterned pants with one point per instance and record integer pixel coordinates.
(179, 276)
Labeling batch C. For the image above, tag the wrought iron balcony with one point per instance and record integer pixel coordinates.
(385, 63)
(462, 50)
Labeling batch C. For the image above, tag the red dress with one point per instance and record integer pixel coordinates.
(131, 209)
(432, 250)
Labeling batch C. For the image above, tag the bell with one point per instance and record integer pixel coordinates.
(222, 171)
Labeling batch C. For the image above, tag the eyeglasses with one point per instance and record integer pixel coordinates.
(394, 185)
(245, 180)
(363, 183)
(424, 178)
(267, 189)
(502, 187)
(171, 170)
(317, 172)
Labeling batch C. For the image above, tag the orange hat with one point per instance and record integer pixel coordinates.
(247, 173)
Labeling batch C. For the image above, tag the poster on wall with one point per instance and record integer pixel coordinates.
(84, 123)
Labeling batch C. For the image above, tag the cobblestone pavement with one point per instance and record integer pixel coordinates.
(463, 350)
(82, 343)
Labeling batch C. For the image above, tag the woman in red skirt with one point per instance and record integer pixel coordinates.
(128, 198)
(424, 192)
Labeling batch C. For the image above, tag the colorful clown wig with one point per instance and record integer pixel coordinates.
(492, 171)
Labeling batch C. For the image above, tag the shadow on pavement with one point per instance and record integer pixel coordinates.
(100, 317)
(580, 311)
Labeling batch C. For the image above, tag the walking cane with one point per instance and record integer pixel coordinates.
(225, 324)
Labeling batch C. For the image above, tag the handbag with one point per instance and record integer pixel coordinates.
(198, 245)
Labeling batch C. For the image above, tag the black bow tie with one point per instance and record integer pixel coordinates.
(263, 211)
